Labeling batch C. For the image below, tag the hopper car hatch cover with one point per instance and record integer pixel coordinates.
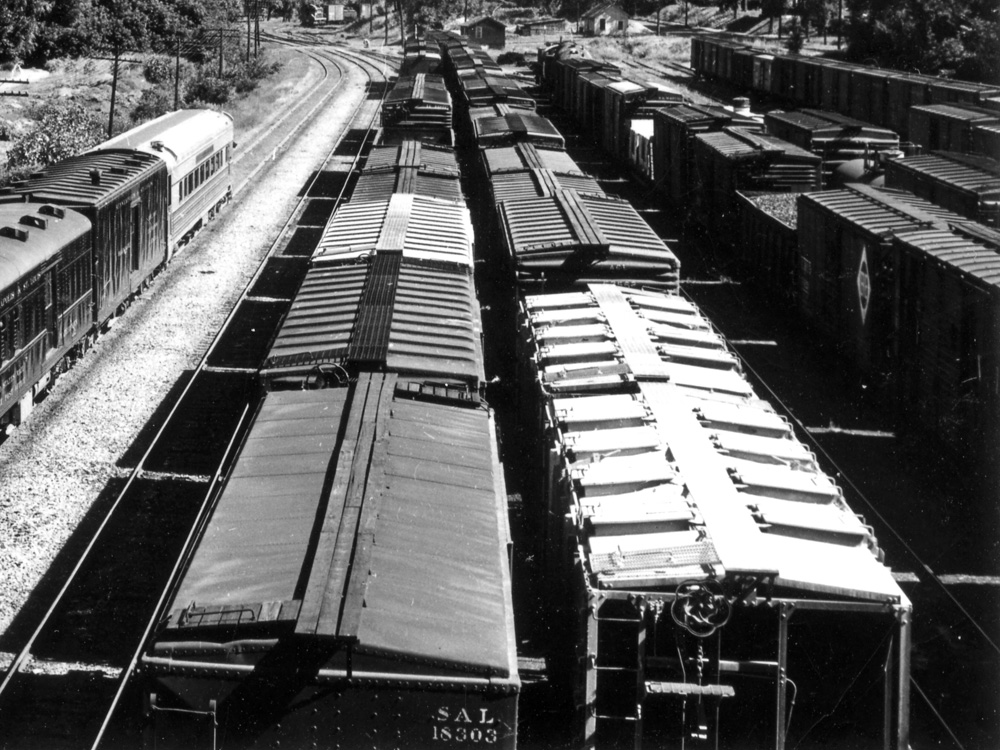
(707, 482)
(364, 519)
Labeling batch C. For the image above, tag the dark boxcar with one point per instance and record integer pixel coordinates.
(418, 107)
(516, 127)
(847, 277)
(713, 573)
(949, 339)
(948, 127)
(869, 98)
(986, 140)
(570, 239)
(906, 90)
(411, 317)
(836, 84)
(352, 586)
(45, 298)
(377, 186)
(966, 184)
(125, 196)
(674, 129)
(528, 156)
(734, 159)
(833, 136)
(534, 183)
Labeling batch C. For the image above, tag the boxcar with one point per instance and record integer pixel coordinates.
(197, 146)
(413, 317)
(674, 129)
(847, 275)
(948, 127)
(569, 239)
(949, 339)
(412, 153)
(45, 298)
(963, 183)
(418, 107)
(535, 183)
(351, 587)
(735, 159)
(380, 186)
(986, 140)
(640, 149)
(124, 194)
(528, 156)
(710, 571)
(831, 135)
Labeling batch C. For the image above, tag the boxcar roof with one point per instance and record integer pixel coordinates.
(407, 316)
(31, 234)
(577, 234)
(183, 133)
(957, 112)
(520, 125)
(90, 179)
(377, 186)
(737, 144)
(977, 262)
(679, 472)
(413, 153)
(407, 513)
(964, 171)
(881, 212)
(533, 183)
(821, 123)
(529, 156)
(425, 88)
(419, 226)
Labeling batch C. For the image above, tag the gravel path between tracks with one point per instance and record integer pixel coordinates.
(57, 463)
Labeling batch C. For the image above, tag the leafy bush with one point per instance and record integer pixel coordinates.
(152, 104)
(246, 76)
(61, 129)
(158, 70)
(208, 88)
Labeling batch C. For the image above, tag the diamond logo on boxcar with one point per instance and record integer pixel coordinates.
(864, 285)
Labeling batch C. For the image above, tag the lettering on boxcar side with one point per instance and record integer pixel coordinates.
(463, 725)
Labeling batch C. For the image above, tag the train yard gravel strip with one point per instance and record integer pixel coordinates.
(55, 466)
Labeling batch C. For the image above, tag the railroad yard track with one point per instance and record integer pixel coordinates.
(76, 645)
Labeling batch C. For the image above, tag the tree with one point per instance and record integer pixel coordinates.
(19, 24)
(61, 129)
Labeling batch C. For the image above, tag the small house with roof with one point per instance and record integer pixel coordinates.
(486, 31)
(605, 19)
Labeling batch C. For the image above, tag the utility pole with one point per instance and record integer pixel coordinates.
(177, 71)
(116, 60)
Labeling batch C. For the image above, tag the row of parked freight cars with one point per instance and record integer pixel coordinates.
(352, 586)
(901, 273)
(933, 112)
(680, 522)
(80, 238)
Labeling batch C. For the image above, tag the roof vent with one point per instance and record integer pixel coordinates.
(54, 211)
(117, 170)
(95, 177)
(741, 106)
(14, 233)
(36, 175)
(30, 220)
(156, 145)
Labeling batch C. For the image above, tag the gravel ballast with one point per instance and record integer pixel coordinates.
(59, 461)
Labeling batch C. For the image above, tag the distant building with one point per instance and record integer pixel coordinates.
(486, 31)
(604, 19)
(541, 26)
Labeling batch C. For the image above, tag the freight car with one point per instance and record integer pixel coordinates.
(45, 300)
(882, 97)
(197, 147)
(352, 584)
(713, 576)
(966, 184)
